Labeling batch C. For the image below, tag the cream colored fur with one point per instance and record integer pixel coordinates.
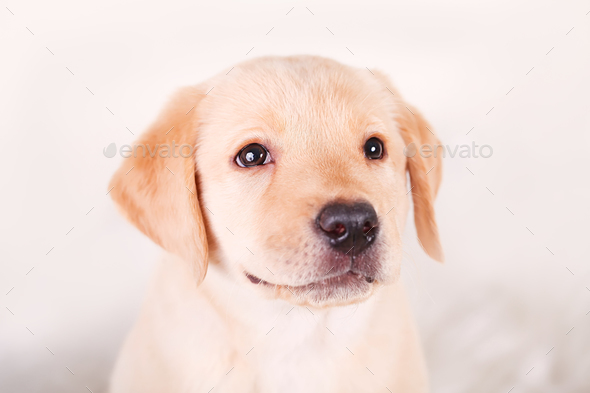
(218, 220)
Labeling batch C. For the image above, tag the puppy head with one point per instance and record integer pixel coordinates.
(298, 176)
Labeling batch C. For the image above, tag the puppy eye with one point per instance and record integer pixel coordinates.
(253, 154)
(374, 149)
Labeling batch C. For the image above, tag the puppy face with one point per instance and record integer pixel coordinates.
(298, 184)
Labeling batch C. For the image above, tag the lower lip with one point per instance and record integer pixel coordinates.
(348, 278)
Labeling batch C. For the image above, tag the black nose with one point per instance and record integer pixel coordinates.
(348, 226)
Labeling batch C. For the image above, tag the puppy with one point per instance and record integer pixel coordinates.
(291, 202)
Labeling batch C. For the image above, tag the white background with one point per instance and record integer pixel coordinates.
(504, 298)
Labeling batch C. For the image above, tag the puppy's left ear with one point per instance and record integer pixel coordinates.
(425, 176)
(155, 187)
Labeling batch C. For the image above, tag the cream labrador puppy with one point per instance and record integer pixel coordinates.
(292, 202)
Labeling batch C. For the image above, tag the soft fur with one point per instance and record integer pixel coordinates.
(299, 329)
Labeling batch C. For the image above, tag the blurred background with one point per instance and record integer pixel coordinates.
(508, 311)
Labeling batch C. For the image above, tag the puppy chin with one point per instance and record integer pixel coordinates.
(345, 289)
(337, 291)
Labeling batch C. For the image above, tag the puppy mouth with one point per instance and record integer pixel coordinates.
(340, 278)
(347, 287)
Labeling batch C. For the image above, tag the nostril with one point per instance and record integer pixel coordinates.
(339, 230)
(367, 226)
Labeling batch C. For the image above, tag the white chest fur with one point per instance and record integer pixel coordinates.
(224, 337)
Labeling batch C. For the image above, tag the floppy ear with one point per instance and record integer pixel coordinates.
(155, 187)
(425, 176)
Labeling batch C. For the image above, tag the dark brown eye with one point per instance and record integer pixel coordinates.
(252, 155)
(374, 149)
